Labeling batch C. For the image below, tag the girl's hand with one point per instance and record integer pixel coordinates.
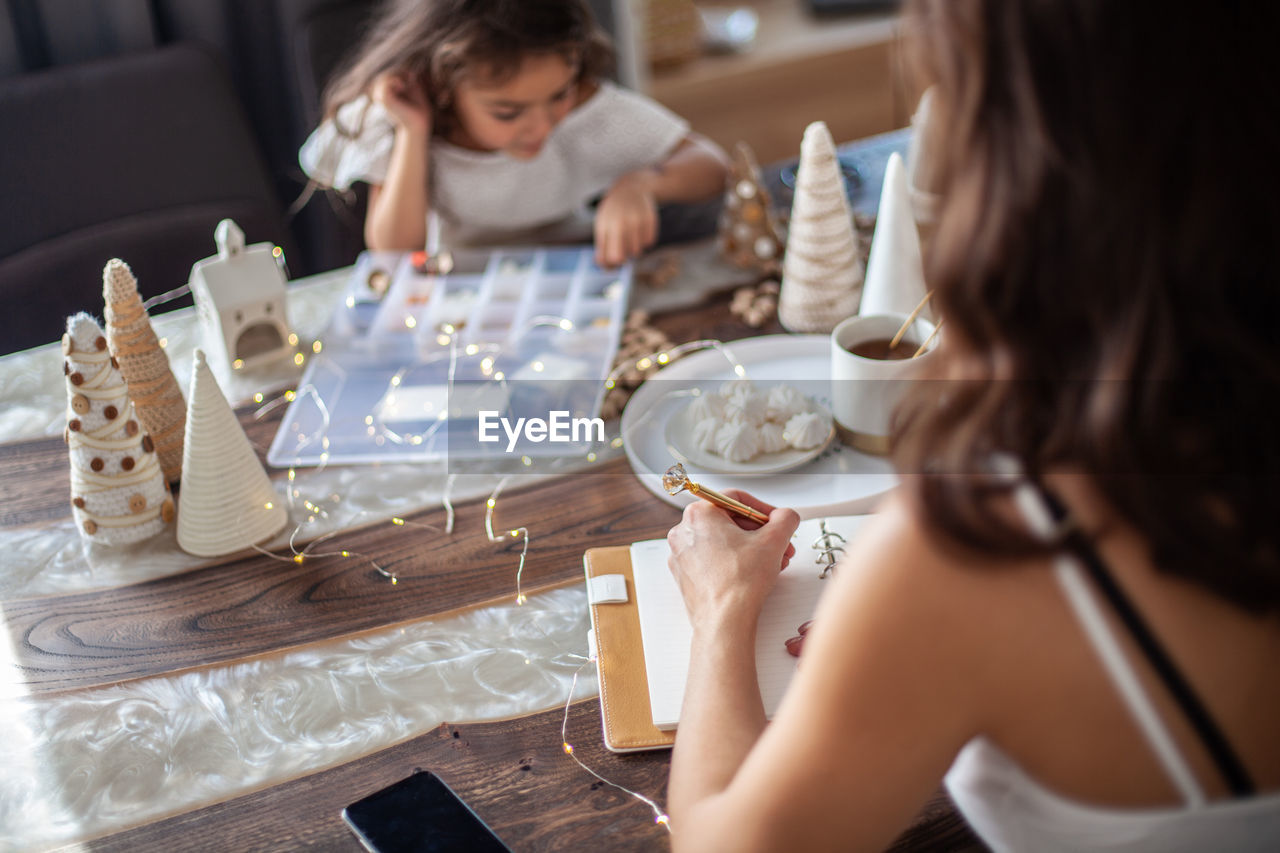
(406, 101)
(626, 219)
(726, 565)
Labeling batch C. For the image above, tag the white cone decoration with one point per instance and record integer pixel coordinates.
(118, 491)
(895, 269)
(821, 272)
(922, 164)
(227, 502)
(144, 365)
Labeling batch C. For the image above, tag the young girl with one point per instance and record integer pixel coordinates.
(1071, 610)
(491, 116)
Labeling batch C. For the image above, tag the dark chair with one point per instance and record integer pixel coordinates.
(136, 157)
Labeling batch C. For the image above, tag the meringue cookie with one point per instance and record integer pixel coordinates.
(737, 441)
(704, 433)
(772, 437)
(735, 387)
(807, 430)
(784, 402)
(748, 406)
(708, 404)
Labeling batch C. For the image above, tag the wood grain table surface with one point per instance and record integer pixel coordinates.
(514, 773)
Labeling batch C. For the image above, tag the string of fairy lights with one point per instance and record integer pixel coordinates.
(314, 510)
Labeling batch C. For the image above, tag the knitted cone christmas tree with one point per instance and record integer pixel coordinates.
(228, 503)
(152, 385)
(821, 272)
(749, 235)
(118, 491)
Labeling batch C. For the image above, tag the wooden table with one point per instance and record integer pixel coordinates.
(514, 773)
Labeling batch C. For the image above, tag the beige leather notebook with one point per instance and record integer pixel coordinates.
(619, 653)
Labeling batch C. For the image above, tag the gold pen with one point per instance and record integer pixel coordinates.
(676, 481)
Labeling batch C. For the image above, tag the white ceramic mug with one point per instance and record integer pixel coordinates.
(864, 391)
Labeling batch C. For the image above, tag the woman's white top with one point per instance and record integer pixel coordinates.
(1011, 811)
(488, 197)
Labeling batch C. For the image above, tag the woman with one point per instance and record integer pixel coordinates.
(1069, 610)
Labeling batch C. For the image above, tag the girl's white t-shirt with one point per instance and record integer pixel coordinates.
(492, 198)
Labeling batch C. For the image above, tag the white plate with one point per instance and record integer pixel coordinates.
(680, 432)
(840, 481)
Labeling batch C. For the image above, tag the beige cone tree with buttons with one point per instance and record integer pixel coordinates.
(118, 491)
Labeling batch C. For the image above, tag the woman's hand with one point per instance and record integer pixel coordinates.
(726, 564)
(626, 219)
(406, 101)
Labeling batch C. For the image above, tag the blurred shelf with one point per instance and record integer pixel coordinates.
(844, 71)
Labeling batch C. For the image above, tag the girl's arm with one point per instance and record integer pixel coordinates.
(886, 693)
(627, 217)
(396, 218)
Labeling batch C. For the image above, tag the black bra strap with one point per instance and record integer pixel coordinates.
(1219, 749)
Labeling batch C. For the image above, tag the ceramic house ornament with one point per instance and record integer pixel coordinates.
(152, 386)
(240, 297)
(228, 503)
(821, 271)
(118, 491)
(895, 268)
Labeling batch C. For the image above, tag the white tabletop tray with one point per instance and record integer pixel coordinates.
(408, 355)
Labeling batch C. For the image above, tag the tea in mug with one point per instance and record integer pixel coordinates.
(880, 350)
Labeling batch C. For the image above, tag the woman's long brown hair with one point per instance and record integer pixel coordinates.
(439, 42)
(1106, 263)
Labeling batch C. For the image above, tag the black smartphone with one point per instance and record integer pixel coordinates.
(420, 814)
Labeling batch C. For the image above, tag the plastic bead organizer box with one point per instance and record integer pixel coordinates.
(411, 358)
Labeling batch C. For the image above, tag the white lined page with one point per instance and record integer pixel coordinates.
(666, 633)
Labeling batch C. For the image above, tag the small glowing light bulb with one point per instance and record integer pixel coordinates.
(491, 503)
(394, 580)
(398, 522)
(662, 820)
(290, 395)
(268, 505)
(346, 553)
(297, 558)
(293, 340)
(568, 748)
(521, 599)
(257, 398)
